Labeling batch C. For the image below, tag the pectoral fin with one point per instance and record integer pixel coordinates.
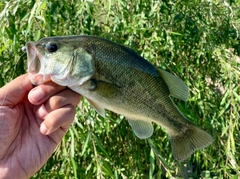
(102, 90)
(97, 107)
(177, 87)
(106, 89)
(142, 129)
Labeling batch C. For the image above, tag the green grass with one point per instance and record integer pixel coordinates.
(199, 41)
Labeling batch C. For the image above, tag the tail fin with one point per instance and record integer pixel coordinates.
(185, 144)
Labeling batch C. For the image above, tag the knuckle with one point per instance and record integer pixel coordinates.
(66, 97)
(56, 102)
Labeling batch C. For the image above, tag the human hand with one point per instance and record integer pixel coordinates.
(33, 121)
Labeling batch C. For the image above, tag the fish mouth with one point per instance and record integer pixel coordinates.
(35, 65)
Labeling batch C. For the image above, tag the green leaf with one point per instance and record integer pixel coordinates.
(86, 142)
(100, 145)
(106, 168)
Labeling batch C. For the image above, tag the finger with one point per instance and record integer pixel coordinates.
(59, 119)
(63, 98)
(59, 100)
(41, 93)
(13, 92)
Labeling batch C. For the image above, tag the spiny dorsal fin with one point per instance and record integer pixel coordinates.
(142, 129)
(177, 87)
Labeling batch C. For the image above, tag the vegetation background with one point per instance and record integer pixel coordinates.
(197, 40)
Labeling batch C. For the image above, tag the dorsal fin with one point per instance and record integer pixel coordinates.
(177, 87)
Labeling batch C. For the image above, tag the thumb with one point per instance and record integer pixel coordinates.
(14, 92)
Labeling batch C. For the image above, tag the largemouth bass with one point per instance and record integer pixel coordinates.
(114, 77)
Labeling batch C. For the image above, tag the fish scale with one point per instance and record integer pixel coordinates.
(114, 77)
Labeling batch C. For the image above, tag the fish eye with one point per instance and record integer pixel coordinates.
(52, 47)
(24, 49)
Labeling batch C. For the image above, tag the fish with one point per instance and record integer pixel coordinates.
(114, 77)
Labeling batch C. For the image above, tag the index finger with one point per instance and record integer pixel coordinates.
(41, 93)
(14, 91)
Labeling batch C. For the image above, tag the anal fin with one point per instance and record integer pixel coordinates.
(142, 129)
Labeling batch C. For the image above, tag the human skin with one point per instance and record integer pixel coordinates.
(33, 121)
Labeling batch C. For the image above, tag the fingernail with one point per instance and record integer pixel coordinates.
(42, 112)
(37, 94)
(43, 129)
